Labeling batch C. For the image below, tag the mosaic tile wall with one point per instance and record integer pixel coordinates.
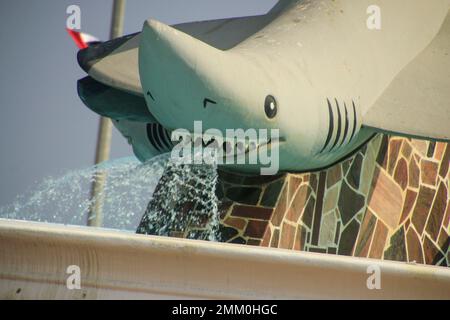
(389, 201)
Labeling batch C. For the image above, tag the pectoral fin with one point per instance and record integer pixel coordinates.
(417, 102)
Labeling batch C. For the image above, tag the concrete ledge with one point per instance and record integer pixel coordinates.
(34, 258)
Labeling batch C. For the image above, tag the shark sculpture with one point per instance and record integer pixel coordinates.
(312, 69)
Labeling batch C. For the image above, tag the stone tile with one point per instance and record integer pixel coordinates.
(345, 166)
(421, 146)
(275, 239)
(300, 238)
(236, 223)
(443, 170)
(318, 208)
(350, 203)
(332, 250)
(437, 212)
(252, 212)
(294, 184)
(256, 229)
(334, 175)
(354, 174)
(254, 242)
(224, 208)
(382, 154)
(428, 172)
(308, 214)
(272, 193)
(226, 176)
(440, 149)
(432, 253)
(337, 233)
(394, 150)
(431, 149)
(446, 222)
(378, 241)
(238, 240)
(287, 236)
(331, 198)
(414, 246)
(327, 230)
(244, 195)
(406, 150)
(397, 248)
(408, 204)
(280, 209)
(401, 173)
(299, 203)
(313, 181)
(414, 174)
(348, 238)
(227, 233)
(266, 239)
(444, 240)
(422, 208)
(318, 250)
(365, 235)
(386, 200)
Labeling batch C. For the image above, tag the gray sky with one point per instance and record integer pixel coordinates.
(45, 130)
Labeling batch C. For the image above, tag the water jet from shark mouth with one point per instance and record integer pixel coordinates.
(130, 185)
(185, 203)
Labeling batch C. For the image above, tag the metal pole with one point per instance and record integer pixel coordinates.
(95, 218)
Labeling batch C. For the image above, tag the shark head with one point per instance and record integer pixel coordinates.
(185, 80)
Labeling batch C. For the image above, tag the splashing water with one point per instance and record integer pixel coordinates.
(184, 200)
(185, 203)
(66, 200)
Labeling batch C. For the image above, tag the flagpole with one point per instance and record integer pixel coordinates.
(103, 150)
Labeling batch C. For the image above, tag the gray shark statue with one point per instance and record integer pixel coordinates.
(314, 69)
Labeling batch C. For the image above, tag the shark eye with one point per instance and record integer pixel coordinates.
(270, 107)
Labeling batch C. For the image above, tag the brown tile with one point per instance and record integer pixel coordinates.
(394, 150)
(294, 183)
(300, 238)
(437, 212)
(446, 222)
(236, 223)
(348, 238)
(378, 241)
(428, 172)
(444, 240)
(275, 239)
(440, 149)
(256, 229)
(386, 200)
(401, 173)
(414, 174)
(408, 204)
(383, 152)
(414, 246)
(224, 208)
(406, 149)
(280, 209)
(365, 235)
(397, 247)
(244, 211)
(318, 208)
(422, 208)
(334, 175)
(299, 203)
(443, 170)
(432, 253)
(421, 146)
(313, 181)
(308, 214)
(266, 239)
(287, 236)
